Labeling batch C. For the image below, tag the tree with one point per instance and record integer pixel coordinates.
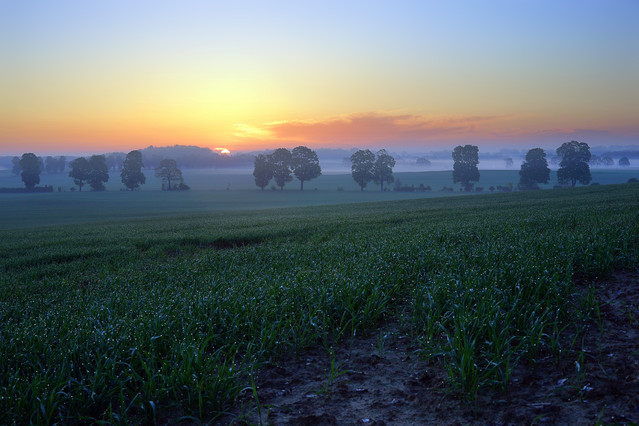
(624, 162)
(131, 174)
(465, 163)
(509, 162)
(263, 172)
(574, 166)
(362, 163)
(534, 170)
(383, 168)
(305, 164)
(31, 167)
(55, 164)
(169, 173)
(115, 160)
(281, 161)
(51, 164)
(80, 171)
(98, 172)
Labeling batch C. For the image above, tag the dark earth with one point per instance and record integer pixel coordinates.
(379, 380)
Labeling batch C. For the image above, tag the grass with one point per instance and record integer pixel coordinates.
(169, 317)
(209, 194)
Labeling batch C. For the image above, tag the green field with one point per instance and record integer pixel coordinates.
(172, 313)
(209, 193)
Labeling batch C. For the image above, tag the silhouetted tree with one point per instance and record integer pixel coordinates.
(99, 172)
(624, 161)
(574, 166)
(465, 163)
(362, 163)
(509, 162)
(55, 164)
(131, 174)
(263, 171)
(534, 170)
(51, 164)
(170, 174)
(80, 171)
(383, 168)
(281, 162)
(115, 160)
(305, 164)
(31, 167)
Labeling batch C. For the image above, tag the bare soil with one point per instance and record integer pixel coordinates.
(389, 384)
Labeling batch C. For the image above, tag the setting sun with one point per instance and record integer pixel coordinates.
(223, 151)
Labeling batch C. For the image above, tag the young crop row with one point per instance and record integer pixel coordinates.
(159, 319)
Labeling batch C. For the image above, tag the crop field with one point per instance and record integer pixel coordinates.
(155, 318)
(214, 191)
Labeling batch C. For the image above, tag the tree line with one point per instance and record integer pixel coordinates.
(573, 167)
(367, 166)
(303, 163)
(281, 163)
(94, 171)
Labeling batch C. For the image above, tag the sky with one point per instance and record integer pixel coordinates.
(102, 76)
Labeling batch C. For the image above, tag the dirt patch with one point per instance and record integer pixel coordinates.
(380, 379)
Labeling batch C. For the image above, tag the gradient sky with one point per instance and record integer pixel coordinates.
(100, 76)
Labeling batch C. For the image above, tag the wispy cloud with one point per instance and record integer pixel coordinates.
(370, 127)
(389, 129)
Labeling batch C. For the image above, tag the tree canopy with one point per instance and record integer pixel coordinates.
(383, 168)
(170, 174)
(534, 170)
(624, 162)
(98, 172)
(281, 161)
(30, 166)
(574, 166)
(131, 174)
(362, 163)
(263, 172)
(55, 164)
(80, 171)
(465, 163)
(305, 164)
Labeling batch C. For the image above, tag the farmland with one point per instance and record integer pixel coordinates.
(149, 316)
(217, 191)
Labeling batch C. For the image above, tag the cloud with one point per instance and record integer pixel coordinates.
(370, 127)
(388, 130)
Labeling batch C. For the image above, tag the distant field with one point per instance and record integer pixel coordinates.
(214, 190)
(221, 180)
(150, 320)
